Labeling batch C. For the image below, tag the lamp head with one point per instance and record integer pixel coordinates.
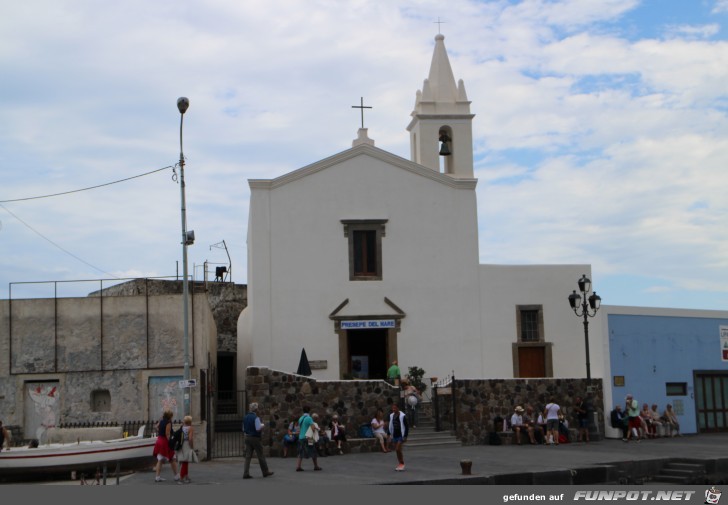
(584, 284)
(574, 300)
(595, 301)
(183, 103)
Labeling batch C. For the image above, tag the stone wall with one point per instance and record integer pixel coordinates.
(281, 397)
(479, 401)
(227, 301)
(105, 357)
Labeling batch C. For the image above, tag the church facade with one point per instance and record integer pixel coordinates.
(365, 257)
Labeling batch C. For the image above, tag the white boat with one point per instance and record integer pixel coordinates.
(89, 456)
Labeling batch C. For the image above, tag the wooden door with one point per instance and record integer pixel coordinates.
(531, 362)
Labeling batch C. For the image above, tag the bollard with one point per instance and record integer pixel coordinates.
(466, 465)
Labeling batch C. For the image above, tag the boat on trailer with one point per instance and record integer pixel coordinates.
(128, 453)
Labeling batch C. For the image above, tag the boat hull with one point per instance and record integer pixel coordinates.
(56, 459)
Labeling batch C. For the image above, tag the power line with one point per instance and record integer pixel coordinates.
(54, 244)
(85, 189)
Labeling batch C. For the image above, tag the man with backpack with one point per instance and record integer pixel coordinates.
(252, 426)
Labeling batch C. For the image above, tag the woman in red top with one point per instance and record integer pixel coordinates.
(162, 451)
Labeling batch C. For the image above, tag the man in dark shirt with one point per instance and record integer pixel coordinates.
(252, 426)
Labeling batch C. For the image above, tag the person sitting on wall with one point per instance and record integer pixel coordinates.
(671, 422)
(657, 422)
(535, 429)
(518, 425)
(619, 420)
(648, 426)
(290, 439)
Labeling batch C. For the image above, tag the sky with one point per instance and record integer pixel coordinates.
(600, 130)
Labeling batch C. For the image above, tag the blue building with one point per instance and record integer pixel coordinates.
(673, 356)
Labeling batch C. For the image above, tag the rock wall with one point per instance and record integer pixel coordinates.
(479, 401)
(281, 396)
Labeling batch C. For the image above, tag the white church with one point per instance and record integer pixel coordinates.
(365, 257)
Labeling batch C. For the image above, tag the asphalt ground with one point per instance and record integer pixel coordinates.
(604, 462)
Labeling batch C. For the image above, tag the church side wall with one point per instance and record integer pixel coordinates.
(505, 287)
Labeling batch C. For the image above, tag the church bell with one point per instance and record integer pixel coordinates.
(444, 150)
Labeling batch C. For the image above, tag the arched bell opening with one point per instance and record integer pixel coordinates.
(445, 152)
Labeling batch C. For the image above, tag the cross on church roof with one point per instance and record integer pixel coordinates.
(362, 107)
(438, 24)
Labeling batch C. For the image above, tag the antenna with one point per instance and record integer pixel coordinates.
(223, 245)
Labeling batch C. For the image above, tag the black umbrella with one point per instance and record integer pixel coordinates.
(303, 367)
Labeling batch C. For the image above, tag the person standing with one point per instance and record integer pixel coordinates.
(411, 400)
(393, 374)
(632, 408)
(162, 451)
(187, 453)
(253, 427)
(4, 437)
(307, 440)
(582, 418)
(551, 413)
(398, 430)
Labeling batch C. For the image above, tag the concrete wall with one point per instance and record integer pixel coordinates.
(117, 344)
(650, 347)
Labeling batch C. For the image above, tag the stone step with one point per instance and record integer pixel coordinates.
(433, 444)
(693, 467)
(670, 479)
(680, 472)
(676, 473)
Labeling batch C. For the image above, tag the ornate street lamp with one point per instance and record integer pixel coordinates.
(579, 301)
(188, 238)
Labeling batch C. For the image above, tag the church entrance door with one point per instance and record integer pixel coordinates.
(367, 353)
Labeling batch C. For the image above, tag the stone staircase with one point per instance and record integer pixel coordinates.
(426, 436)
(681, 472)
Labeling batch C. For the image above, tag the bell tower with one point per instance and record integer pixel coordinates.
(441, 130)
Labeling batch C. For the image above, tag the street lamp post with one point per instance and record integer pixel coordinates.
(579, 301)
(188, 238)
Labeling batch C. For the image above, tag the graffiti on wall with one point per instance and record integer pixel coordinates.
(41, 410)
(165, 394)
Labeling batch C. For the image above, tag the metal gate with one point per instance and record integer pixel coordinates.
(443, 404)
(226, 436)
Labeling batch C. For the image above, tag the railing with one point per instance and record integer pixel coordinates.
(443, 396)
(130, 427)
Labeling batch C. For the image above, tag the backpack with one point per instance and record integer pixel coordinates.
(365, 431)
(175, 441)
